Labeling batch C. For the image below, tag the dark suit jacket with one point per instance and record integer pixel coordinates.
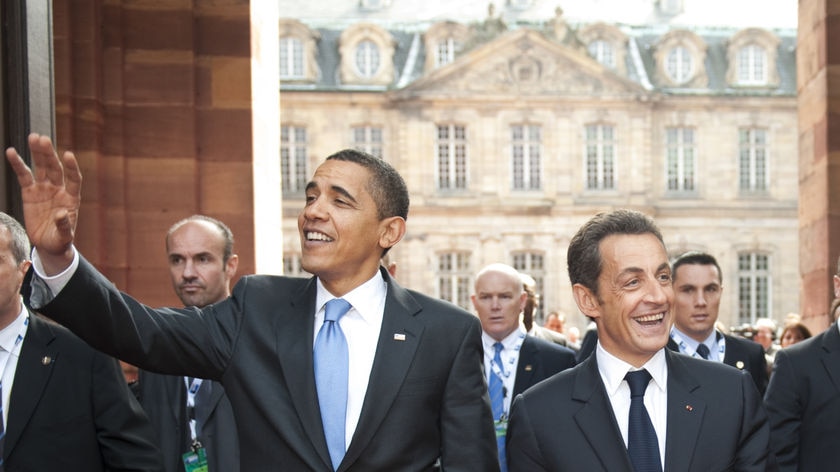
(715, 422)
(742, 354)
(427, 396)
(539, 360)
(803, 403)
(70, 409)
(164, 397)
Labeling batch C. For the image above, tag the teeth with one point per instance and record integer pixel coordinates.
(648, 318)
(313, 236)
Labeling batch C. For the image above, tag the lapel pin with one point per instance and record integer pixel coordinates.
(46, 360)
(739, 364)
(399, 337)
(689, 408)
(528, 368)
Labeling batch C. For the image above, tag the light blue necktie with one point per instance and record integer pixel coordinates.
(331, 377)
(496, 390)
(642, 444)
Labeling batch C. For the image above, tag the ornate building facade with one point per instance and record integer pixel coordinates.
(512, 130)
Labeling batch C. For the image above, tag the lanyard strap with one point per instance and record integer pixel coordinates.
(15, 349)
(192, 390)
(511, 362)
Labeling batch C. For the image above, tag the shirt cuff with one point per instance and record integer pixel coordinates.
(45, 288)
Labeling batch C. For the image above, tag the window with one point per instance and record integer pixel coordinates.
(367, 59)
(451, 157)
(752, 162)
(526, 143)
(445, 52)
(752, 65)
(291, 58)
(600, 157)
(291, 266)
(678, 65)
(293, 158)
(368, 139)
(753, 287)
(603, 52)
(679, 150)
(533, 264)
(454, 278)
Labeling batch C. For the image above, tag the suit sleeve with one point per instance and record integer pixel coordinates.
(753, 451)
(467, 431)
(523, 451)
(784, 408)
(125, 436)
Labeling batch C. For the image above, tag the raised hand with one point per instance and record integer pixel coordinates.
(51, 193)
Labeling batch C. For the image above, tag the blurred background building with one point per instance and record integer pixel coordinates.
(516, 121)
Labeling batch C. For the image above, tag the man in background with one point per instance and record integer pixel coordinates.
(698, 287)
(513, 360)
(65, 406)
(193, 417)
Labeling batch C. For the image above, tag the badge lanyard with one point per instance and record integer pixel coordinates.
(721, 341)
(195, 460)
(192, 390)
(499, 370)
(18, 340)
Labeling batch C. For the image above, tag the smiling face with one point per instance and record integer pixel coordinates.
(498, 300)
(632, 308)
(697, 302)
(341, 235)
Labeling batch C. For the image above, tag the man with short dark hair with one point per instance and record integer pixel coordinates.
(698, 285)
(345, 370)
(634, 405)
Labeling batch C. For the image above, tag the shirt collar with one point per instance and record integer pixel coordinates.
(9, 334)
(365, 299)
(509, 342)
(710, 341)
(613, 369)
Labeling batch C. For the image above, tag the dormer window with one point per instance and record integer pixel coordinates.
(367, 59)
(291, 58)
(752, 55)
(602, 52)
(679, 65)
(752, 65)
(680, 57)
(445, 51)
(367, 55)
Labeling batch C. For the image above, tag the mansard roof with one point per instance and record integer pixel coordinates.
(640, 63)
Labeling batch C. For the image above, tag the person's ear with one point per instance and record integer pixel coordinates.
(586, 301)
(392, 231)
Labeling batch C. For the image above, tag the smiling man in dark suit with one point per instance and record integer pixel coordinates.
(408, 366)
(522, 360)
(634, 405)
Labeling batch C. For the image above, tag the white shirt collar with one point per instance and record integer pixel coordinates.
(613, 369)
(366, 299)
(9, 334)
(509, 342)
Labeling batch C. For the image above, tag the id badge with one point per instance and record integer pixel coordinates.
(195, 461)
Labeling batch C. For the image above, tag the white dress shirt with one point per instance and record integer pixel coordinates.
(688, 345)
(361, 326)
(613, 370)
(510, 359)
(9, 355)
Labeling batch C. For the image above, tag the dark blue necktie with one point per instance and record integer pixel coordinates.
(703, 350)
(497, 401)
(642, 444)
(331, 377)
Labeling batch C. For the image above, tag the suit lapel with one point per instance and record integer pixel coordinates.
(529, 363)
(685, 415)
(295, 334)
(595, 414)
(831, 359)
(37, 359)
(398, 340)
